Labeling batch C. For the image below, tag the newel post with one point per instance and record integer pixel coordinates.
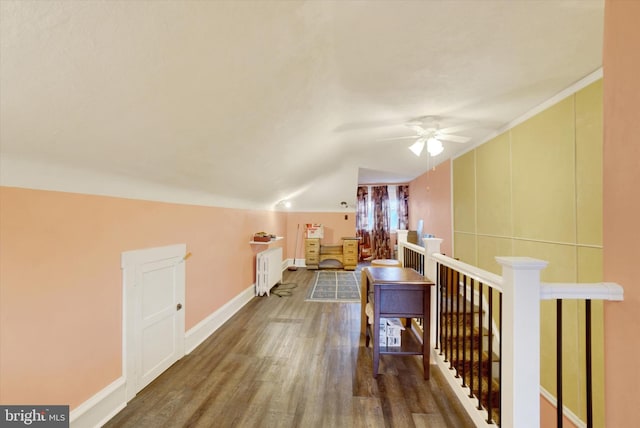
(431, 246)
(401, 239)
(520, 341)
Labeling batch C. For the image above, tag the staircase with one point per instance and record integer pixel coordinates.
(468, 348)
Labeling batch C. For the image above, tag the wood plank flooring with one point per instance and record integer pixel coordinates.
(284, 362)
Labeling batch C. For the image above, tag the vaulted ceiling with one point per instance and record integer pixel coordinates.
(260, 101)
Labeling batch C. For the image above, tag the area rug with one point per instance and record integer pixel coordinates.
(335, 286)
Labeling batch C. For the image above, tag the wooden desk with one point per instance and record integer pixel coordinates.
(402, 293)
(346, 253)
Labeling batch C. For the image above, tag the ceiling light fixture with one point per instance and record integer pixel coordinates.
(417, 147)
(434, 146)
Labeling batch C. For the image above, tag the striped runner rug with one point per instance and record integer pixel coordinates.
(335, 286)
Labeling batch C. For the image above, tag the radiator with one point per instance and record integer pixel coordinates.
(268, 270)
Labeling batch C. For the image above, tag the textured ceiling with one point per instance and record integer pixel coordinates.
(264, 100)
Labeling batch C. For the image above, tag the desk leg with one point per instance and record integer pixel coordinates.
(375, 330)
(426, 333)
(363, 305)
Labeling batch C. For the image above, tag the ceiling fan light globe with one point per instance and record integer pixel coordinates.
(434, 146)
(417, 147)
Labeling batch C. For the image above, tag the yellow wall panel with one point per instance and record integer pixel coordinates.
(573, 360)
(543, 165)
(589, 164)
(493, 184)
(488, 248)
(561, 268)
(561, 258)
(464, 247)
(536, 191)
(589, 264)
(464, 193)
(573, 356)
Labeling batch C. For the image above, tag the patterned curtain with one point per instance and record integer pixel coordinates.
(362, 223)
(380, 231)
(403, 207)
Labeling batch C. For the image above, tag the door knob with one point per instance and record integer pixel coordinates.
(179, 306)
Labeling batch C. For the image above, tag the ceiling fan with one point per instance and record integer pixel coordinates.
(429, 132)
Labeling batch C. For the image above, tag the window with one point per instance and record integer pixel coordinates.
(393, 208)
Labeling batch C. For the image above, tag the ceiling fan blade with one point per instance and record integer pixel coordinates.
(416, 127)
(369, 125)
(453, 138)
(453, 129)
(408, 137)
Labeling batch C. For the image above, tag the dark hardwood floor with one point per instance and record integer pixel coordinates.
(284, 362)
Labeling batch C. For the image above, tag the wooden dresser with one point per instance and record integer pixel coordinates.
(349, 253)
(312, 253)
(315, 253)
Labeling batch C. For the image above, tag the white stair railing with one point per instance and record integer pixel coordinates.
(522, 291)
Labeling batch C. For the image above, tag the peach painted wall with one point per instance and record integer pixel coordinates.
(61, 282)
(335, 227)
(549, 415)
(621, 232)
(430, 200)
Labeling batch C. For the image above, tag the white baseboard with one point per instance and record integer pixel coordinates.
(298, 263)
(97, 410)
(565, 410)
(201, 331)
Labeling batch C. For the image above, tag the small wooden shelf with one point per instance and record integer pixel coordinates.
(410, 344)
(277, 238)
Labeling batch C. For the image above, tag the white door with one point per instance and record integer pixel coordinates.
(154, 290)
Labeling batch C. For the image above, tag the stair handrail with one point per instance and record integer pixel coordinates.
(472, 272)
(581, 291)
(520, 356)
(520, 282)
